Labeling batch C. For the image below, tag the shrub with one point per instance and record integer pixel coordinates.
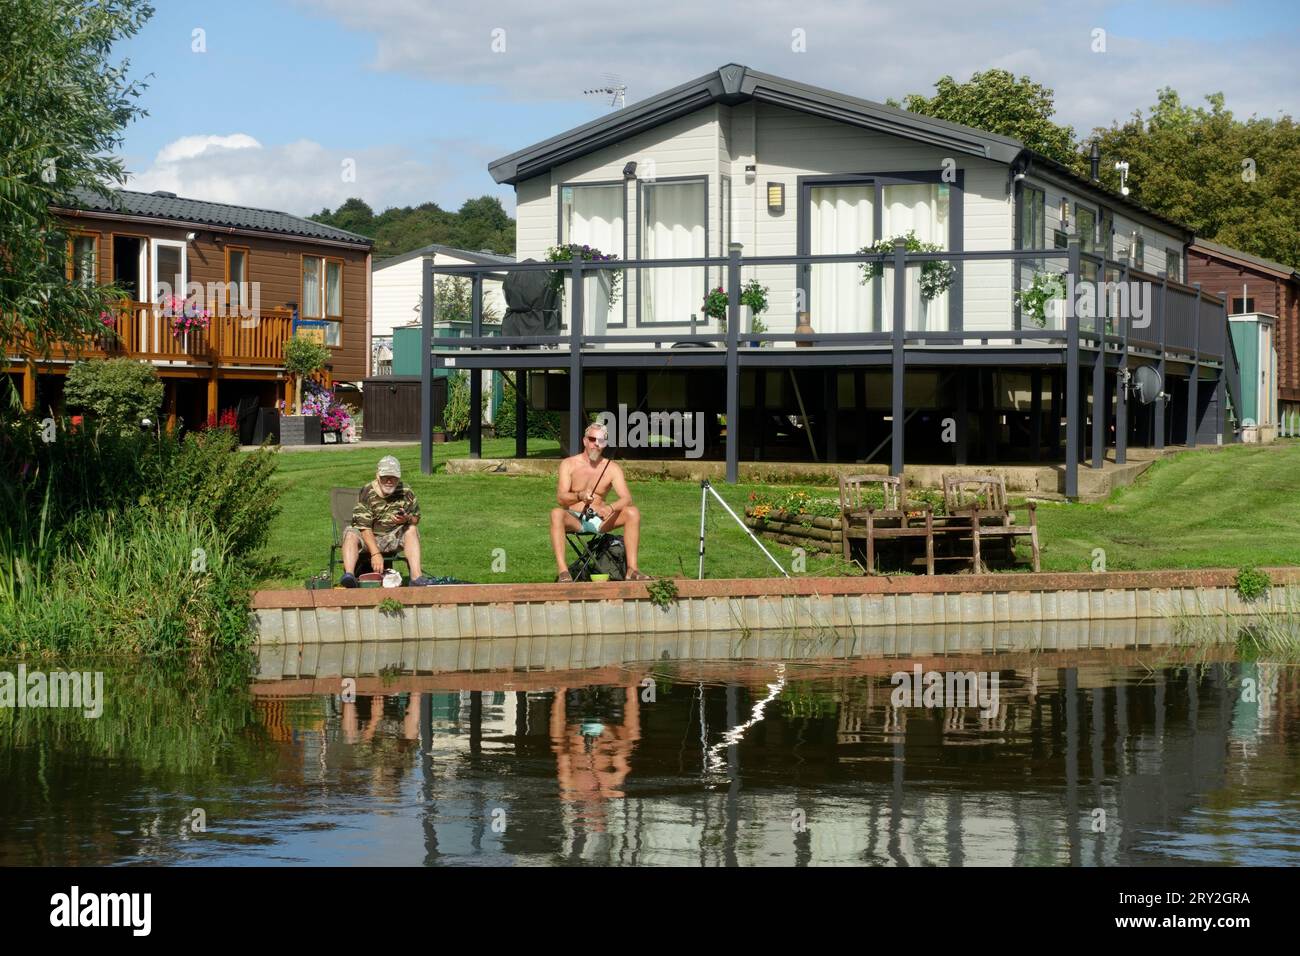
(455, 417)
(540, 424)
(118, 392)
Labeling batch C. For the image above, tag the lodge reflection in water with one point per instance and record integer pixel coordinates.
(1091, 765)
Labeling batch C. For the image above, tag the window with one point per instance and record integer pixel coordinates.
(1106, 234)
(83, 258)
(1174, 265)
(1243, 306)
(236, 276)
(840, 220)
(322, 297)
(673, 226)
(1137, 250)
(591, 214)
(1033, 224)
(170, 266)
(1086, 222)
(920, 208)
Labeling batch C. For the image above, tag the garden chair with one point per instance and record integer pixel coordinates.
(978, 505)
(597, 553)
(890, 521)
(342, 501)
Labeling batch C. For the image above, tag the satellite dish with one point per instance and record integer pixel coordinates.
(1146, 384)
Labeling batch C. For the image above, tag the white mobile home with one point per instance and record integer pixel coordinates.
(741, 175)
(395, 290)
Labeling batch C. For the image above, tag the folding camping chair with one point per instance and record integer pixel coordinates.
(598, 552)
(342, 501)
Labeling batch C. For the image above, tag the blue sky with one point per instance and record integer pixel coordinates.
(418, 97)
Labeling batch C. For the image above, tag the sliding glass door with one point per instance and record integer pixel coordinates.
(920, 208)
(673, 217)
(840, 220)
(591, 214)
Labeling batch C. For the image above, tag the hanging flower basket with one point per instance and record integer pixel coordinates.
(185, 316)
(936, 276)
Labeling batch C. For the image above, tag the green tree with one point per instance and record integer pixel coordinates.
(302, 357)
(1233, 181)
(63, 108)
(454, 296)
(480, 224)
(997, 102)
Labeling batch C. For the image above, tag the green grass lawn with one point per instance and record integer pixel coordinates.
(1227, 508)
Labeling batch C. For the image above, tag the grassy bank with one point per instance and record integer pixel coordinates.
(1225, 507)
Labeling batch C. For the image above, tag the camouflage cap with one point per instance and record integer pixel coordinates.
(388, 465)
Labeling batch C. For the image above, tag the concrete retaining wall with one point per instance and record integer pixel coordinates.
(829, 605)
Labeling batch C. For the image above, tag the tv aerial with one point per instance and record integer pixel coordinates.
(613, 87)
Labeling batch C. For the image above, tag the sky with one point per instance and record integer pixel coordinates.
(298, 105)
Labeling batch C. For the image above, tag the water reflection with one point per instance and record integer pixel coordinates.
(1092, 758)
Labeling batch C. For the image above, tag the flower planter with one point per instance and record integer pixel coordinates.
(803, 531)
(440, 438)
(300, 430)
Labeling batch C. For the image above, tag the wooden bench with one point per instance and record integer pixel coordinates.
(891, 521)
(977, 505)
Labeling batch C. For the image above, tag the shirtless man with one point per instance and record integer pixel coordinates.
(585, 480)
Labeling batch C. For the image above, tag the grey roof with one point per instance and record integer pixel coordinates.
(1215, 247)
(164, 205)
(735, 83)
(483, 258)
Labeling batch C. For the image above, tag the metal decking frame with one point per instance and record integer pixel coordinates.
(897, 348)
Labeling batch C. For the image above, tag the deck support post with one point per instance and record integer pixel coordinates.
(899, 356)
(1193, 380)
(521, 413)
(426, 366)
(963, 417)
(1121, 388)
(1098, 406)
(29, 387)
(576, 424)
(1072, 409)
(1036, 414)
(830, 400)
(1220, 401)
(212, 410)
(733, 363)
(476, 375)
(1158, 426)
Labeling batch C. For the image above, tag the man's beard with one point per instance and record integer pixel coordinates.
(593, 455)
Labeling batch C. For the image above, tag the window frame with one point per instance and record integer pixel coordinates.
(248, 255)
(154, 244)
(559, 233)
(956, 225)
(640, 221)
(335, 321)
(1027, 193)
(71, 270)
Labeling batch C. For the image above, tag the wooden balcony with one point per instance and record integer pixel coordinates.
(139, 330)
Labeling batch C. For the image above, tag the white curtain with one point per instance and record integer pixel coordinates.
(672, 227)
(840, 221)
(922, 209)
(594, 217)
(311, 298)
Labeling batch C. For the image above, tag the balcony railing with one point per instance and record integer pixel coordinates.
(1182, 320)
(140, 330)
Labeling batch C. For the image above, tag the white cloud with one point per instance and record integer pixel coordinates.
(301, 177)
(886, 48)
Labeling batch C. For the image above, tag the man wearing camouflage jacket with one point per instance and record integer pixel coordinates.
(383, 523)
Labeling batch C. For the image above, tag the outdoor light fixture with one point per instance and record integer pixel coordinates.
(629, 171)
(191, 236)
(776, 197)
(1020, 176)
(1065, 213)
